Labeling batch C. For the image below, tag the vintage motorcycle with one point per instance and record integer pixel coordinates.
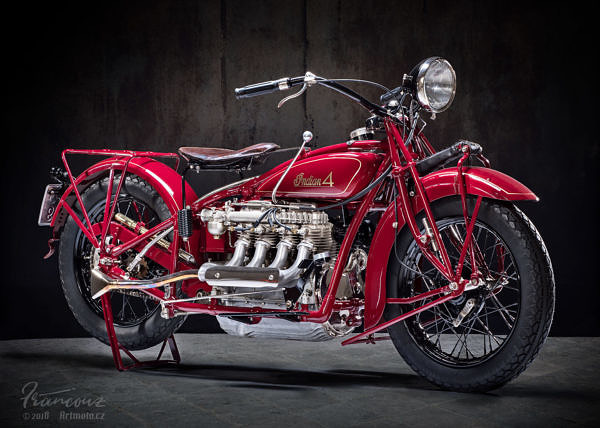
(375, 234)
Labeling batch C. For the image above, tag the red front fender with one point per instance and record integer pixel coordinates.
(161, 177)
(484, 182)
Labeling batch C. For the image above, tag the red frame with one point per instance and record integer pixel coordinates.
(482, 182)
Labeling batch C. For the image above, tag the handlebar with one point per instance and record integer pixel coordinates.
(308, 79)
(391, 95)
(268, 87)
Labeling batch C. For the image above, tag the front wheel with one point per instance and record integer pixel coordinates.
(506, 318)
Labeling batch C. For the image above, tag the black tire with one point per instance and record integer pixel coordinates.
(425, 350)
(137, 331)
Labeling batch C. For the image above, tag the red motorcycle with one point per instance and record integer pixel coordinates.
(373, 235)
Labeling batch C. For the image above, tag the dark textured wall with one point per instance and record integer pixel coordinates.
(158, 75)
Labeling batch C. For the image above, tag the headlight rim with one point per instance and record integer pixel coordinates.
(419, 83)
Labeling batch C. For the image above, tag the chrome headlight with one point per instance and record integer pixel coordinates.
(435, 84)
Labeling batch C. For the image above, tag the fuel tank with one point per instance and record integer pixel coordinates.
(326, 176)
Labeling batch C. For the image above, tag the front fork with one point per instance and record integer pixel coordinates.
(430, 242)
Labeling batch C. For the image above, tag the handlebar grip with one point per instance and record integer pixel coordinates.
(442, 157)
(475, 148)
(262, 88)
(437, 159)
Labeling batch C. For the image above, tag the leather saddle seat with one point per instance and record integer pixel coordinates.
(217, 158)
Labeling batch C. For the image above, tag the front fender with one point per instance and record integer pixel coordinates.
(483, 182)
(161, 177)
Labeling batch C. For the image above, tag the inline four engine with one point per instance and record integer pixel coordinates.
(283, 254)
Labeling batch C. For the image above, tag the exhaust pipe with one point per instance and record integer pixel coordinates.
(293, 272)
(260, 252)
(239, 254)
(283, 249)
(257, 277)
(231, 274)
(102, 283)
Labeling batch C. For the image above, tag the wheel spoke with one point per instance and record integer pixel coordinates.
(502, 311)
(121, 314)
(133, 313)
(487, 330)
(504, 276)
(465, 335)
(458, 336)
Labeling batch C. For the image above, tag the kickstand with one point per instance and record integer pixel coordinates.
(116, 347)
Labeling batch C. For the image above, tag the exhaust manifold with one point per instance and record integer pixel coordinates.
(253, 275)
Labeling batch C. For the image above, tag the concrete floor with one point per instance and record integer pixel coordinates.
(229, 381)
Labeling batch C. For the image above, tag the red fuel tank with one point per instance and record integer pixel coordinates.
(327, 176)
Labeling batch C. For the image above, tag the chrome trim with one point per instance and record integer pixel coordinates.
(260, 252)
(309, 78)
(420, 84)
(219, 296)
(283, 250)
(293, 272)
(239, 254)
(283, 84)
(241, 246)
(285, 275)
(362, 134)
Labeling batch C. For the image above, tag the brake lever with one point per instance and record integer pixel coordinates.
(289, 97)
(309, 80)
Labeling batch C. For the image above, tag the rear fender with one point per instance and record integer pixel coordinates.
(484, 182)
(161, 177)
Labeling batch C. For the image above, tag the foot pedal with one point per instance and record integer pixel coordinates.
(185, 223)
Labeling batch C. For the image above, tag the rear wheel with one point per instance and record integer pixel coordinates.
(136, 316)
(511, 310)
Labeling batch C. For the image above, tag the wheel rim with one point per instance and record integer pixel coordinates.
(489, 325)
(128, 309)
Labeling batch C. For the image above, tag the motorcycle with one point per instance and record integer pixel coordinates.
(380, 237)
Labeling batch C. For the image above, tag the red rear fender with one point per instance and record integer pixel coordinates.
(161, 177)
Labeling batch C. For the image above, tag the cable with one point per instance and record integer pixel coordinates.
(357, 80)
(274, 216)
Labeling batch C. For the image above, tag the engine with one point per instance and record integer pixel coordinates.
(283, 255)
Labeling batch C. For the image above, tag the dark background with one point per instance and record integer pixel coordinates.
(159, 75)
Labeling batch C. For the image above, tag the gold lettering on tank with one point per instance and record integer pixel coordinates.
(310, 181)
